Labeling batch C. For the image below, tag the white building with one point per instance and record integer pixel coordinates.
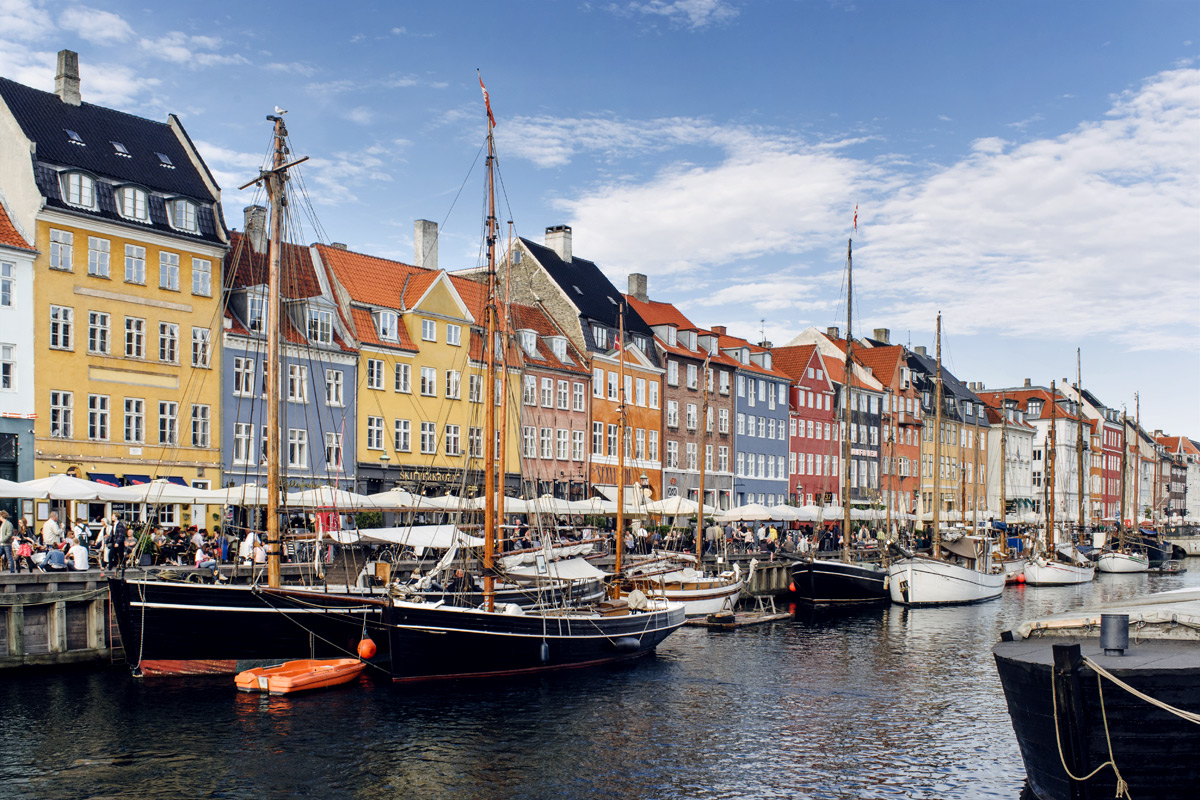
(17, 410)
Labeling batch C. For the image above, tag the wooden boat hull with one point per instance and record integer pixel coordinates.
(430, 642)
(699, 598)
(922, 581)
(1122, 563)
(1043, 572)
(1014, 570)
(300, 676)
(835, 582)
(1157, 752)
(172, 628)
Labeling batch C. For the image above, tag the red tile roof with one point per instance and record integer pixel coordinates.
(364, 328)
(244, 267)
(727, 342)
(884, 362)
(1022, 398)
(794, 359)
(9, 236)
(377, 281)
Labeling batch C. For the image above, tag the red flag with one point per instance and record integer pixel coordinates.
(855, 205)
(487, 101)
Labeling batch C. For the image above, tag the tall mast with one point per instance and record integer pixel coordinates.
(1137, 464)
(502, 444)
(275, 191)
(975, 479)
(704, 388)
(1003, 472)
(1124, 475)
(489, 430)
(620, 438)
(937, 446)
(1051, 454)
(846, 407)
(1079, 434)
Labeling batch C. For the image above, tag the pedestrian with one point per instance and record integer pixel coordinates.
(6, 540)
(52, 531)
(24, 552)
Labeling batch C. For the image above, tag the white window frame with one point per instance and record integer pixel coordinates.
(135, 264)
(99, 256)
(168, 271)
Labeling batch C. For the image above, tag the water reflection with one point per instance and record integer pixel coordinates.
(873, 702)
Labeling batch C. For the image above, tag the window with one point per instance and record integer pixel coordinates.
(598, 382)
(640, 395)
(429, 381)
(723, 381)
(547, 393)
(428, 437)
(741, 385)
(652, 445)
(243, 439)
(61, 406)
(691, 456)
(429, 330)
(131, 202)
(200, 347)
(452, 441)
(401, 435)
(98, 256)
(297, 448)
(243, 377)
(639, 451)
(200, 425)
(60, 249)
(62, 328)
(563, 446)
(528, 441)
(723, 459)
(183, 215)
(692, 379)
(547, 437)
(653, 394)
(135, 266)
(135, 419)
(403, 378)
(577, 445)
(672, 461)
(600, 336)
(672, 413)
(168, 422)
(135, 337)
(7, 283)
(741, 424)
(475, 388)
(598, 438)
(529, 391)
(333, 451)
(453, 384)
(374, 433)
(168, 342)
(672, 373)
(387, 324)
(453, 334)
(577, 402)
(79, 189)
(98, 333)
(691, 416)
(374, 373)
(612, 440)
(475, 442)
(98, 417)
(333, 387)
(612, 385)
(320, 326)
(564, 394)
(297, 383)
(168, 271)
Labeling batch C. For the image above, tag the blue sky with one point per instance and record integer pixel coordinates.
(1031, 169)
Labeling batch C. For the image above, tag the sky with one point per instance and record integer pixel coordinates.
(1029, 169)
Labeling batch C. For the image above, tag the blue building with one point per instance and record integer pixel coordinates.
(319, 376)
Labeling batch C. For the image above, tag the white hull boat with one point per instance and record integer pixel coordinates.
(1014, 569)
(700, 595)
(1044, 572)
(1122, 562)
(924, 581)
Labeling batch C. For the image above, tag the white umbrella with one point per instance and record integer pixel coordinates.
(751, 511)
(785, 513)
(248, 494)
(10, 489)
(329, 497)
(393, 498)
(672, 506)
(596, 506)
(66, 487)
(157, 492)
(808, 513)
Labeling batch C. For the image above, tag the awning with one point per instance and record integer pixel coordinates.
(107, 478)
(178, 481)
(136, 480)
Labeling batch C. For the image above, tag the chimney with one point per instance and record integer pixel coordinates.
(766, 344)
(66, 80)
(637, 286)
(256, 227)
(558, 239)
(920, 350)
(425, 243)
(833, 332)
(719, 330)
(883, 335)
(338, 245)
(1028, 383)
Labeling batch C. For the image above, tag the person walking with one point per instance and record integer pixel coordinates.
(6, 540)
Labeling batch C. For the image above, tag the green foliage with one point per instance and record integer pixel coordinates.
(368, 519)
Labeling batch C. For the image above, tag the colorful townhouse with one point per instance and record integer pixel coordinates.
(1104, 500)
(18, 407)
(812, 427)
(1187, 454)
(901, 420)
(126, 221)
(627, 371)
(318, 371)
(1010, 461)
(697, 399)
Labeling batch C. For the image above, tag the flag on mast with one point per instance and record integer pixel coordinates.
(855, 205)
(487, 101)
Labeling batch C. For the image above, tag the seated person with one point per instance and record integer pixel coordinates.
(56, 560)
(204, 558)
(77, 558)
(260, 554)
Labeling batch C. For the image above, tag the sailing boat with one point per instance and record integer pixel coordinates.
(1013, 565)
(964, 572)
(432, 641)
(1123, 559)
(850, 579)
(1056, 565)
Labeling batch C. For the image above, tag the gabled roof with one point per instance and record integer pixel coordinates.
(1179, 444)
(727, 342)
(9, 235)
(534, 319)
(884, 361)
(1022, 398)
(368, 334)
(377, 281)
(993, 415)
(244, 267)
(794, 359)
(654, 313)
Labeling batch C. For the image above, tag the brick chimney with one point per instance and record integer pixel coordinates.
(425, 243)
(719, 330)
(558, 239)
(1028, 383)
(256, 227)
(66, 80)
(638, 287)
(833, 332)
(920, 350)
(882, 335)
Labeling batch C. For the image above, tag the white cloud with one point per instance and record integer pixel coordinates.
(23, 20)
(693, 14)
(292, 68)
(360, 115)
(96, 26)
(115, 85)
(180, 48)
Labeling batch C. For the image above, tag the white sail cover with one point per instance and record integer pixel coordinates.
(417, 537)
(573, 569)
(1165, 615)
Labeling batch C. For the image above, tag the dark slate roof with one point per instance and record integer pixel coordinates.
(596, 298)
(45, 119)
(924, 368)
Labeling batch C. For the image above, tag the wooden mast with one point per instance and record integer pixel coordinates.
(849, 382)
(1137, 464)
(1079, 433)
(1051, 457)
(704, 388)
(620, 441)
(937, 446)
(275, 181)
(1124, 477)
(1003, 472)
(502, 444)
(489, 430)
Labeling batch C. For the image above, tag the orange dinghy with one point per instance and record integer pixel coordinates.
(300, 676)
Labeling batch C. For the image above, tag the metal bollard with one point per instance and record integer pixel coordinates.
(1114, 634)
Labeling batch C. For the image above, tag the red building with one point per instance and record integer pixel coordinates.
(812, 429)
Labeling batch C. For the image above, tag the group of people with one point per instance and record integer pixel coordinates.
(58, 549)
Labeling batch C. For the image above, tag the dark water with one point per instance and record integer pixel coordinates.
(882, 703)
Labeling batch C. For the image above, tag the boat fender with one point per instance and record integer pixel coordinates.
(625, 644)
(513, 610)
(1021, 578)
(886, 582)
(544, 652)
(367, 648)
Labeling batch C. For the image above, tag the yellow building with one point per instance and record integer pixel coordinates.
(127, 287)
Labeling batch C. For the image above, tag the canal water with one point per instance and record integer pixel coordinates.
(887, 702)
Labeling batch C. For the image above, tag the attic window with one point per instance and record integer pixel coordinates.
(529, 343)
(183, 215)
(516, 257)
(166, 160)
(120, 150)
(74, 137)
(79, 189)
(132, 203)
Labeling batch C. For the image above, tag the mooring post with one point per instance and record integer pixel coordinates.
(1072, 724)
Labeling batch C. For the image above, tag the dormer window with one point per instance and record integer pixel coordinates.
(672, 336)
(767, 360)
(320, 326)
(558, 345)
(387, 323)
(131, 202)
(79, 189)
(1035, 408)
(183, 215)
(744, 355)
(256, 311)
(528, 341)
(600, 335)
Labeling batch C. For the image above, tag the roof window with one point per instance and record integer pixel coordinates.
(121, 150)
(165, 160)
(74, 137)
(79, 189)
(131, 202)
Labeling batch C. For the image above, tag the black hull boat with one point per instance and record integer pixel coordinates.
(182, 628)
(833, 582)
(1068, 715)
(430, 642)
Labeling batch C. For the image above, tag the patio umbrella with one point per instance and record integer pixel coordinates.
(157, 492)
(329, 497)
(66, 487)
(393, 498)
(248, 494)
